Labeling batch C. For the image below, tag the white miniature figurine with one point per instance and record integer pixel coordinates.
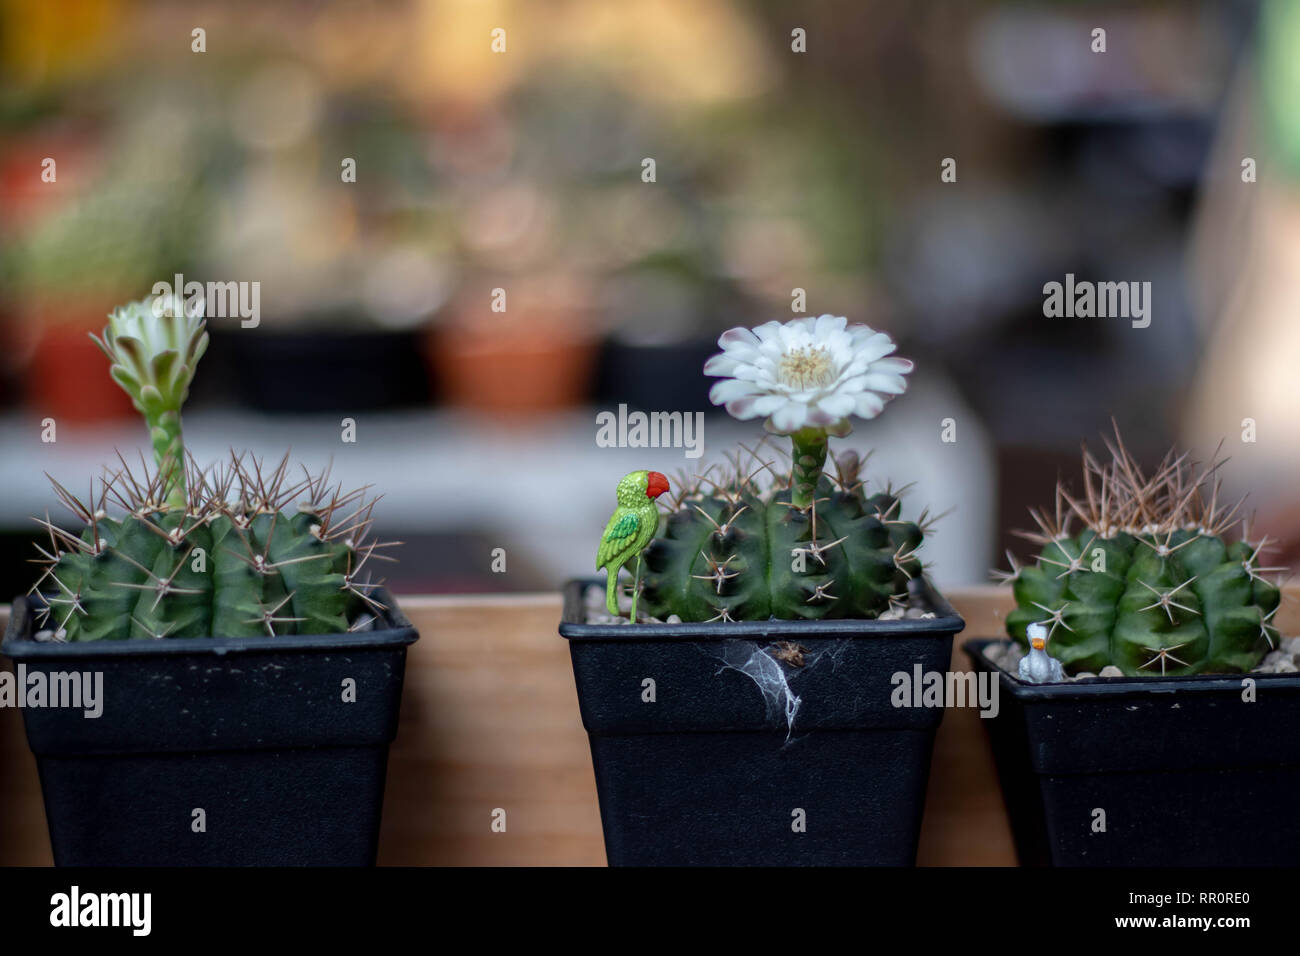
(1038, 667)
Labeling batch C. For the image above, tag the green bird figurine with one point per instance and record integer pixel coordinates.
(630, 529)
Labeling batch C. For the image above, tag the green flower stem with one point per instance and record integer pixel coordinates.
(169, 455)
(810, 445)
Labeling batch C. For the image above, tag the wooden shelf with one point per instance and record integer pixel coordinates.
(490, 719)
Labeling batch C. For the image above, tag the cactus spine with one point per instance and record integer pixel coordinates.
(731, 549)
(1150, 584)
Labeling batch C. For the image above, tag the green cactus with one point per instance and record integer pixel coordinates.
(1150, 584)
(239, 551)
(732, 550)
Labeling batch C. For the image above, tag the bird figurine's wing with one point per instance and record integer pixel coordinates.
(620, 531)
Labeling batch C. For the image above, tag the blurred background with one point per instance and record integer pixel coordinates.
(775, 171)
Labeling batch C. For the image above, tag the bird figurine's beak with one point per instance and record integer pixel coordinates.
(1037, 643)
(656, 485)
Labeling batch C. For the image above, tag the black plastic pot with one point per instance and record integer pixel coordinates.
(654, 377)
(254, 733)
(1184, 770)
(309, 370)
(713, 773)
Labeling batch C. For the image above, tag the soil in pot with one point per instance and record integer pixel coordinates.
(1176, 771)
(758, 743)
(215, 751)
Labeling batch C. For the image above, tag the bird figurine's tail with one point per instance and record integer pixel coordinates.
(611, 590)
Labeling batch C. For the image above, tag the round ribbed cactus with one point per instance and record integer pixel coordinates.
(1150, 584)
(732, 550)
(238, 551)
(248, 555)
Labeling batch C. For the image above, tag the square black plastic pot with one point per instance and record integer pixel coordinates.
(698, 761)
(218, 751)
(1182, 771)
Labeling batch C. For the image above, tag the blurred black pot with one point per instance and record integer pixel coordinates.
(655, 376)
(322, 369)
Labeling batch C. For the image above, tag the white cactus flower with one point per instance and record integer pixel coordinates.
(809, 372)
(154, 345)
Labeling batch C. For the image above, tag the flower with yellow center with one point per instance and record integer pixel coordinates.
(806, 377)
(813, 371)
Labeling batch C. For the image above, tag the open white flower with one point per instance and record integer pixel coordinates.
(807, 372)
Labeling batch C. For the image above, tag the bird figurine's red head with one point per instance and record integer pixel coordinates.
(656, 484)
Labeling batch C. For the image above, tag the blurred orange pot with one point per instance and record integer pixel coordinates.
(512, 376)
(67, 375)
(533, 362)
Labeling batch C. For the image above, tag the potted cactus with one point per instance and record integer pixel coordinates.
(237, 675)
(1161, 737)
(754, 714)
